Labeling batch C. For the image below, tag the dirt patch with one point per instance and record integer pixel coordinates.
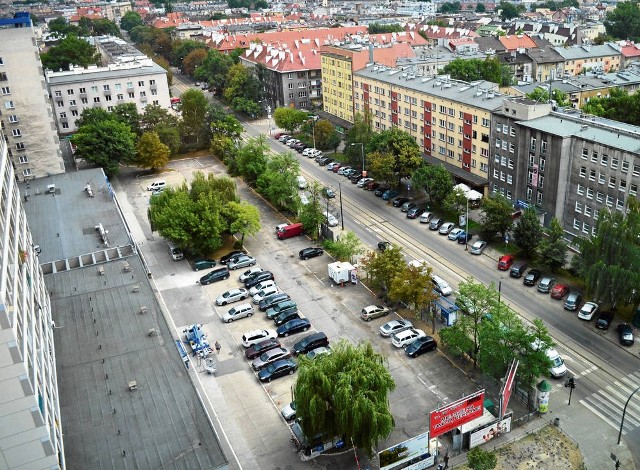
(549, 448)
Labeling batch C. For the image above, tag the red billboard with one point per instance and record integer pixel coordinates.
(456, 414)
(508, 387)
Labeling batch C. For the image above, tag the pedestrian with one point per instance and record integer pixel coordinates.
(446, 460)
(218, 347)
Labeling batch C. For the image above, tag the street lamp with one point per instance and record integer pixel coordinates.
(624, 412)
(466, 234)
(341, 214)
(362, 153)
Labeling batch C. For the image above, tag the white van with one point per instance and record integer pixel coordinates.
(175, 252)
(302, 183)
(332, 221)
(157, 185)
(557, 368)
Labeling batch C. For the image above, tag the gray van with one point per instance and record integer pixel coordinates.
(175, 252)
(517, 270)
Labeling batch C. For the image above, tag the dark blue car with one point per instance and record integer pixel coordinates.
(277, 369)
(294, 326)
(389, 194)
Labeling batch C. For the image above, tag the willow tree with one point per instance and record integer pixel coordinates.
(346, 394)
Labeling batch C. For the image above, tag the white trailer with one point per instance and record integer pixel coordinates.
(342, 272)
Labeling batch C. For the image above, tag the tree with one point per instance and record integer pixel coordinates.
(151, 152)
(213, 70)
(508, 10)
(323, 130)
(359, 133)
(127, 113)
(490, 69)
(244, 218)
(381, 166)
(225, 134)
(182, 48)
(528, 232)
(107, 144)
(450, 7)
(70, 51)
(553, 249)
(311, 215)
(496, 218)
(480, 8)
(624, 21)
(130, 20)
(383, 267)
(402, 146)
(105, 27)
(377, 28)
(195, 131)
(542, 95)
(619, 106)
(456, 201)
(435, 180)
(289, 119)
(346, 394)
(345, 248)
(413, 287)
(93, 116)
(243, 90)
(159, 120)
(250, 159)
(278, 181)
(480, 459)
(193, 60)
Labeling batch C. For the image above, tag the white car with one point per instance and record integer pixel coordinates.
(237, 312)
(307, 151)
(242, 261)
(394, 326)
(315, 153)
(363, 182)
(402, 339)
(557, 368)
(453, 234)
(440, 285)
(426, 217)
(446, 228)
(232, 295)
(261, 286)
(587, 311)
(302, 183)
(249, 272)
(255, 336)
(331, 219)
(265, 292)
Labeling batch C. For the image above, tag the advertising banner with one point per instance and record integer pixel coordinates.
(489, 431)
(456, 414)
(412, 454)
(508, 387)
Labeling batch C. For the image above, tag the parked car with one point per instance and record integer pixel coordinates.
(349, 172)
(604, 320)
(400, 201)
(420, 346)
(336, 169)
(557, 368)
(307, 151)
(531, 277)
(546, 284)
(446, 228)
(272, 300)
(415, 212)
(588, 310)
(394, 326)
(293, 326)
(374, 311)
(261, 286)
(625, 334)
(266, 292)
(380, 191)
(310, 252)
(573, 301)
(331, 165)
(242, 261)
(257, 349)
(257, 278)
(277, 369)
(441, 286)
(389, 194)
(372, 186)
(310, 342)
(203, 263)
(355, 177)
(250, 272)
(518, 269)
(328, 192)
(435, 223)
(288, 412)
(269, 357)
(478, 247)
(214, 276)
(408, 205)
(403, 338)
(281, 307)
(253, 337)
(319, 352)
(426, 217)
(453, 234)
(232, 295)
(292, 142)
(464, 237)
(284, 137)
(343, 169)
(505, 262)
(363, 182)
(559, 291)
(233, 254)
(284, 317)
(238, 312)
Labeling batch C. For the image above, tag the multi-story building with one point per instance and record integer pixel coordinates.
(31, 435)
(140, 81)
(602, 58)
(27, 118)
(449, 119)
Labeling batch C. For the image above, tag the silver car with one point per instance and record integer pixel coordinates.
(237, 312)
(478, 247)
(241, 261)
(374, 311)
(269, 357)
(446, 228)
(394, 326)
(232, 295)
(249, 272)
(289, 411)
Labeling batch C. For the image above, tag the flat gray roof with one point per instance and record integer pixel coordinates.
(583, 52)
(104, 310)
(88, 75)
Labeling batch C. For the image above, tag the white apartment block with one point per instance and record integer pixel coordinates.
(30, 427)
(142, 82)
(26, 114)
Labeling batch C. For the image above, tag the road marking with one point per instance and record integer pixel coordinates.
(604, 418)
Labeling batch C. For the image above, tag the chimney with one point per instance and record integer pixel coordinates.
(371, 61)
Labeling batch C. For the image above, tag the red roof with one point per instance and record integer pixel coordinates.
(411, 37)
(630, 49)
(513, 42)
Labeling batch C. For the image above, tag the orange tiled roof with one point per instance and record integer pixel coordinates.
(513, 42)
(410, 37)
(630, 49)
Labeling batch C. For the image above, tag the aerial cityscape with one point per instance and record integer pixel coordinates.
(356, 235)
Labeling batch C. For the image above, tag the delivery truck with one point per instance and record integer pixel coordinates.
(342, 272)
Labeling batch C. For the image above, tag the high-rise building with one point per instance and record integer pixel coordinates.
(30, 428)
(27, 119)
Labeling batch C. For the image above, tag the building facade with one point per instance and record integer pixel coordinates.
(142, 82)
(27, 117)
(449, 119)
(604, 58)
(337, 84)
(31, 434)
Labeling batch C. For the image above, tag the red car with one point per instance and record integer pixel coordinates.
(505, 262)
(559, 291)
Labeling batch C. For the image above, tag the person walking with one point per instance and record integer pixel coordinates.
(446, 460)
(218, 347)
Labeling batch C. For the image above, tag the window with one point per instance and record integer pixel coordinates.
(140, 82)
(96, 99)
(16, 132)
(94, 89)
(83, 90)
(510, 164)
(84, 100)
(587, 211)
(585, 153)
(585, 228)
(152, 82)
(596, 214)
(107, 98)
(512, 132)
(592, 175)
(614, 162)
(576, 224)
(72, 102)
(129, 84)
(65, 125)
(5, 90)
(583, 172)
(70, 91)
(636, 170)
(529, 193)
(26, 172)
(63, 115)
(532, 146)
(542, 163)
(118, 86)
(609, 201)
(486, 122)
(23, 158)
(9, 105)
(1, 61)
(509, 179)
(623, 185)
(13, 119)
(578, 207)
(20, 146)
(290, 86)
(594, 157)
(74, 112)
(604, 160)
(540, 182)
(625, 167)
(512, 147)
(620, 204)
(600, 178)
(131, 94)
(503, 161)
(633, 189)
(58, 94)
(543, 147)
(539, 198)
(589, 193)
(580, 190)
(612, 182)
(599, 197)
(143, 93)
(3, 77)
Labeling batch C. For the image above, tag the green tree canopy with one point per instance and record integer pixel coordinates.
(242, 89)
(435, 180)
(528, 232)
(450, 7)
(130, 20)
(105, 27)
(70, 51)
(151, 152)
(496, 217)
(289, 119)
(251, 159)
(402, 146)
(213, 70)
(360, 132)
(159, 120)
(381, 166)
(346, 394)
(456, 201)
(311, 214)
(278, 182)
(618, 106)
(106, 143)
(376, 28)
(509, 10)
(490, 69)
(541, 94)
(345, 248)
(480, 8)
(552, 249)
(195, 130)
(480, 459)
(244, 219)
(324, 131)
(413, 287)
(624, 21)
(383, 267)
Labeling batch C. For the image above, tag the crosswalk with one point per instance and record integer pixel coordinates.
(608, 403)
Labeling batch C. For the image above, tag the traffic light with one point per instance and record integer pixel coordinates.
(570, 383)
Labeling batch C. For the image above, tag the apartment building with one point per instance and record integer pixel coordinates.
(449, 119)
(30, 424)
(604, 58)
(27, 118)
